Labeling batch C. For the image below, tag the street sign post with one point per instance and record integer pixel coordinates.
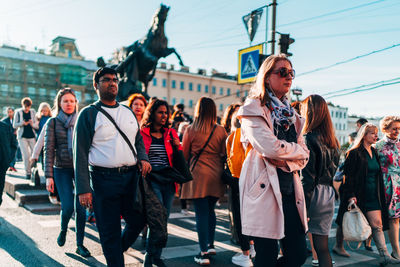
(249, 63)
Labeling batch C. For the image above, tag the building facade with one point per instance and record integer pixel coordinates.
(339, 120)
(182, 86)
(40, 75)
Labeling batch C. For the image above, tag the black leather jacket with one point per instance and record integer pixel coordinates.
(321, 167)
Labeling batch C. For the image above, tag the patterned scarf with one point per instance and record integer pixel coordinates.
(281, 112)
(68, 122)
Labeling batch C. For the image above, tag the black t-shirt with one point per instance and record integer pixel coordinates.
(286, 178)
(28, 131)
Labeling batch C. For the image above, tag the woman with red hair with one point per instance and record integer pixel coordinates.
(138, 103)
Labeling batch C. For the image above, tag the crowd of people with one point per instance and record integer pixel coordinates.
(280, 163)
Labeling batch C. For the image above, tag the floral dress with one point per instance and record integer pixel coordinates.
(389, 157)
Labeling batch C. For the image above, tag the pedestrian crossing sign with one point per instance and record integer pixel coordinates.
(248, 63)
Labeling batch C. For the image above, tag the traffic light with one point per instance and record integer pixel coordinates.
(284, 42)
(261, 59)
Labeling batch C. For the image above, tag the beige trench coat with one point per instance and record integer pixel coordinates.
(260, 196)
(208, 170)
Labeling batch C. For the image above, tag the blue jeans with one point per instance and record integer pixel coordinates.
(63, 177)
(165, 193)
(206, 221)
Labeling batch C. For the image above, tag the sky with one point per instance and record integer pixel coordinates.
(208, 34)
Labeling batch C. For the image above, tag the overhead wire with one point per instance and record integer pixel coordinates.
(363, 90)
(331, 13)
(348, 60)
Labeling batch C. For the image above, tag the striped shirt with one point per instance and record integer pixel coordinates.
(157, 153)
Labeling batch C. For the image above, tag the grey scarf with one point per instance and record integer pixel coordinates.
(68, 122)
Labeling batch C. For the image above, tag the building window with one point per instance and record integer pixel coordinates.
(182, 85)
(88, 97)
(238, 93)
(182, 101)
(17, 91)
(29, 70)
(190, 86)
(78, 95)
(154, 81)
(173, 101)
(206, 89)
(42, 91)
(221, 107)
(53, 93)
(228, 91)
(246, 93)
(199, 88)
(337, 114)
(164, 83)
(173, 84)
(164, 98)
(213, 90)
(221, 91)
(31, 91)
(344, 115)
(190, 103)
(4, 89)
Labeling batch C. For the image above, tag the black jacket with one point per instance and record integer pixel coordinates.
(56, 147)
(355, 173)
(8, 145)
(321, 166)
(149, 211)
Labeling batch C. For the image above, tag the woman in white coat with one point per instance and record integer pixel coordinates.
(271, 193)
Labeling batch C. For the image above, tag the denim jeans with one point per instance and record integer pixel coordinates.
(165, 193)
(63, 177)
(206, 220)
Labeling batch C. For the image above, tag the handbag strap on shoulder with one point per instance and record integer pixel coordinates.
(202, 149)
(119, 129)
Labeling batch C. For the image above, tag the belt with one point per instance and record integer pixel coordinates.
(123, 169)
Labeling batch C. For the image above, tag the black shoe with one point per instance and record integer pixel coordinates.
(148, 260)
(61, 238)
(84, 252)
(369, 248)
(28, 176)
(202, 259)
(158, 262)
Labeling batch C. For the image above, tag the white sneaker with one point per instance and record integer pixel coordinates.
(184, 212)
(252, 252)
(242, 260)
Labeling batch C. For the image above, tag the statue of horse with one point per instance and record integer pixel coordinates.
(137, 62)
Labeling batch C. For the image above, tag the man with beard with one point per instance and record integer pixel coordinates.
(106, 166)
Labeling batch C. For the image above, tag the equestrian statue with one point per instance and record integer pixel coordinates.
(136, 64)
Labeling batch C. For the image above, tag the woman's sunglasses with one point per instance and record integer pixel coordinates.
(284, 72)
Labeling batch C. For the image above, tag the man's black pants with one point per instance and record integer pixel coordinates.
(114, 195)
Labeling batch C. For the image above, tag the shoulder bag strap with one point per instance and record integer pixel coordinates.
(119, 130)
(202, 149)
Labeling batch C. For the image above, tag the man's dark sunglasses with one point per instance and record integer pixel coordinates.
(107, 80)
(284, 72)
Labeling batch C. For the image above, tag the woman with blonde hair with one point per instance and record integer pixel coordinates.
(59, 167)
(271, 194)
(364, 186)
(204, 145)
(318, 173)
(389, 156)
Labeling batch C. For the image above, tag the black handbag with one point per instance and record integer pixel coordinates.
(226, 176)
(179, 163)
(165, 175)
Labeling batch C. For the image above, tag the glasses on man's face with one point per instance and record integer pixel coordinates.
(284, 72)
(107, 80)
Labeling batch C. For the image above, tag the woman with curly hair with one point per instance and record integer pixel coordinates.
(389, 156)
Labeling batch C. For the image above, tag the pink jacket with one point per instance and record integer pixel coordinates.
(260, 196)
